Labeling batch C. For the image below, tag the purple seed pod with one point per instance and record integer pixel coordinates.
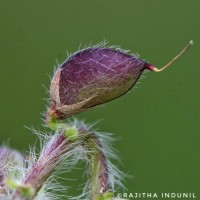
(94, 76)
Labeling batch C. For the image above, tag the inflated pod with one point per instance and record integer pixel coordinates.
(94, 76)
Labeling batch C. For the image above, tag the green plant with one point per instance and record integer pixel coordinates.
(90, 77)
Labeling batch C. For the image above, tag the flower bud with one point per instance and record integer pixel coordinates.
(94, 76)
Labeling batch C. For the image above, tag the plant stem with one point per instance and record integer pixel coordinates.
(45, 165)
(99, 183)
(54, 153)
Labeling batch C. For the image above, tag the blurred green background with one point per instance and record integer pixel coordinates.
(156, 125)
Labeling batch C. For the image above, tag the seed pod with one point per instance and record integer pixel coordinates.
(94, 76)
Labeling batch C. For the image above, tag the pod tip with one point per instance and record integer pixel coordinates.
(191, 42)
(152, 68)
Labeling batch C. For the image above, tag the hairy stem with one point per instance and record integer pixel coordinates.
(55, 151)
(99, 183)
(45, 165)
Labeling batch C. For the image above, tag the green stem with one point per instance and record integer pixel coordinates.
(99, 181)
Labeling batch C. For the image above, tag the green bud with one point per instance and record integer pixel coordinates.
(71, 133)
